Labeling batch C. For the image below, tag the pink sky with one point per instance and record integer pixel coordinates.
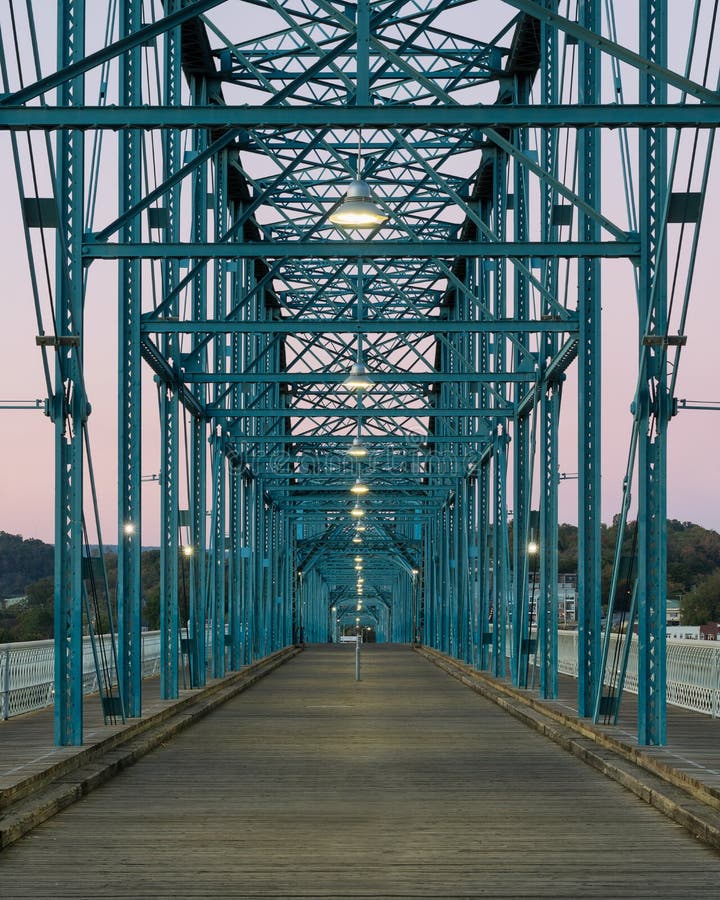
(27, 445)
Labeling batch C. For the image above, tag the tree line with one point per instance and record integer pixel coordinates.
(693, 576)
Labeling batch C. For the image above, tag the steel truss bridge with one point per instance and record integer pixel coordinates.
(206, 148)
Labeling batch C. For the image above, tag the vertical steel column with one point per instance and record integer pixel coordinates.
(521, 422)
(484, 500)
(547, 607)
(69, 404)
(250, 592)
(169, 518)
(653, 400)
(500, 582)
(169, 461)
(129, 363)
(220, 272)
(199, 436)
(484, 497)
(465, 523)
(501, 575)
(217, 578)
(589, 394)
(236, 566)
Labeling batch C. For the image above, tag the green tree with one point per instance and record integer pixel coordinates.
(40, 593)
(702, 604)
(35, 623)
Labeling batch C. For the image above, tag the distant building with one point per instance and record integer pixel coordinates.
(7, 602)
(567, 597)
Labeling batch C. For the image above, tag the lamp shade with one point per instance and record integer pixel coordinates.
(358, 379)
(357, 449)
(358, 209)
(359, 488)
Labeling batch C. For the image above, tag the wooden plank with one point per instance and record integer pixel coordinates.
(404, 784)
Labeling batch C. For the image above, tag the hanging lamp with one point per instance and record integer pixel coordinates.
(358, 208)
(359, 488)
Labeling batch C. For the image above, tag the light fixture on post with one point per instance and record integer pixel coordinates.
(358, 208)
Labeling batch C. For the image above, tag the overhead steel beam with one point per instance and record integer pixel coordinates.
(353, 326)
(367, 412)
(341, 249)
(626, 115)
(324, 378)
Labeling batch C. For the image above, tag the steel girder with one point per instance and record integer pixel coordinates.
(461, 306)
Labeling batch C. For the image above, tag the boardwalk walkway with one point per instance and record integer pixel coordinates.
(406, 784)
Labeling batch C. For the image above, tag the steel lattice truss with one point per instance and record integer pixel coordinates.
(479, 128)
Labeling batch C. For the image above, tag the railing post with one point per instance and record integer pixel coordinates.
(5, 670)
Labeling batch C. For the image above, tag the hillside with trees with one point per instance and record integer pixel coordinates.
(26, 570)
(693, 576)
(22, 562)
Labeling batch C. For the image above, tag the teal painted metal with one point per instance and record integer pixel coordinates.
(628, 115)
(218, 571)
(653, 400)
(420, 249)
(546, 606)
(170, 562)
(129, 361)
(68, 406)
(458, 303)
(589, 392)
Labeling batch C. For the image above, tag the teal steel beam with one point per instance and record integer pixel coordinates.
(547, 600)
(501, 569)
(589, 380)
(129, 363)
(170, 615)
(68, 407)
(521, 420)
(622, 115)
(235, 571)
(325, 412)
(405, 325)
(216, 586)
(315, 379)
(419, 249)
(169, 559)
(199, 431)
(653, 401)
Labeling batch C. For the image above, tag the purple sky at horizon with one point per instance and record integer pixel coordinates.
(27, 444)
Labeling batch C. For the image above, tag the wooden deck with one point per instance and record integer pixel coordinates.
(406, 784)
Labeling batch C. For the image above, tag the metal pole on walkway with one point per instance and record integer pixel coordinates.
(358, 638)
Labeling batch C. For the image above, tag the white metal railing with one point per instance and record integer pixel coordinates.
(27, 672)
(27, 679)
(693, 670)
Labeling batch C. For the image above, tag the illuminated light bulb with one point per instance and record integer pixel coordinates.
(357, 450)
(358, 379)
(358, 209)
